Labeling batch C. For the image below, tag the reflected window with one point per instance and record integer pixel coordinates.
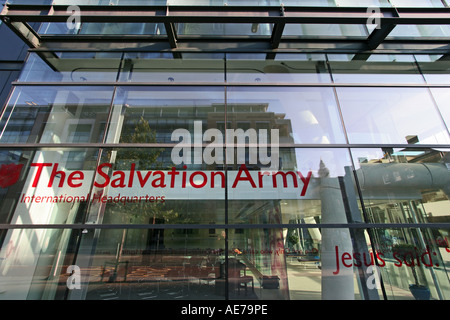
(191, 110)
(302, 115)
(148, 67)
(93, 28)
(374, 68)
(325, 30)
(285, 68)
(72, 67)
(224, 29)
(56, 115)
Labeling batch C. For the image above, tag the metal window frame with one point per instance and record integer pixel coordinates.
(360, 225)
(19, 17)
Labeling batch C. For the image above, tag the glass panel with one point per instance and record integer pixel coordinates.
(46, 187)
(56, 115)
(327, 3)
(295, 263)
(93, 28)
(148, 67)
(364, 3)
(54, 264)
(426, 31)
(404, 185)
(144, 186)
(326, 30)
(127, 264)
(72, 67)
(224, 29)
(300, 115)
(12, 180)
(435, 68)
(391, 115)
(30, 1)
(157, 264)
(412, 262)
(110, 2)
(374, 69)
(164, 115)
(284, 69)
(305, 189)
(417, 3)
(442, 98)
(123, 186)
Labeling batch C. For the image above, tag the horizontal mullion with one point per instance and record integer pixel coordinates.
(227, 226)
(61, 146)
(232, 14)
(235, 38)
(228, 84)
(44, 49)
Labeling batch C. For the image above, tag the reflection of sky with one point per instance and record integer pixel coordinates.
(335, 160)
(44, 96)
(371, 115)
(442, 98)
(389, 115)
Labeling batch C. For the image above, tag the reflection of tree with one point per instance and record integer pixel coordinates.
(144, 158)
(143, 211)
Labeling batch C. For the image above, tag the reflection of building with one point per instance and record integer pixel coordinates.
(165, 120)
(363, 141)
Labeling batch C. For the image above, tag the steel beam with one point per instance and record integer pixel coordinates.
(226, 14)
(18, 17)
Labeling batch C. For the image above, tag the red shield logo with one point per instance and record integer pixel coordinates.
(9, 174)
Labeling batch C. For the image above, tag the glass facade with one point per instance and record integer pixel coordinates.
(223, 174)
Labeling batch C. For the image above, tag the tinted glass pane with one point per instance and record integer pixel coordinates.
(391, 115)
(165, 109)
(144, 186)
(301, 115)
(285, 69)
(326, 30)
(120, 264)
(93, 28)
(435, 68)
(404, 186)
(111, 264)
(148, 67)
(304, 189)
(417, 3)
(56, 115)
(46, 187)
(224, 29)
(374, 69)
(442, 96)
(425, 31)
(410, 262)
(72, 67)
